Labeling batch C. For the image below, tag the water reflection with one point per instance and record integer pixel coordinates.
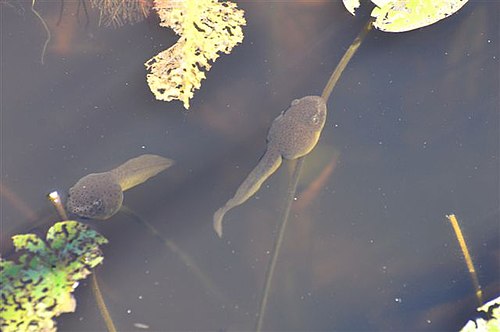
(414, 120)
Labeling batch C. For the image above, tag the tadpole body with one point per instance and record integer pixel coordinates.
(293, 134)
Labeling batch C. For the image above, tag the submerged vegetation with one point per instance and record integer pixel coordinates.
(38, 286)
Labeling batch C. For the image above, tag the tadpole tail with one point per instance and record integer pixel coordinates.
(267, 165)
(138, 170)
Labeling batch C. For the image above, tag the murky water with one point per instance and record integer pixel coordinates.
(412, 134)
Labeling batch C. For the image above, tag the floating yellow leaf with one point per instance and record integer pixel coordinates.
(405, 15)
(206, 27)
(351, 5)
(488, 319)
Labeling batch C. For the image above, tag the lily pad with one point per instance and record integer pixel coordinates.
(406, 15)
(489, 320)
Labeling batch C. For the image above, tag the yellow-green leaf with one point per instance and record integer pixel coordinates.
(38, 287)
(489, 321)
(405, 15)
(206, 28)
(351, 5)
(401, 15)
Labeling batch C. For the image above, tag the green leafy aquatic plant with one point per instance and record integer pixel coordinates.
(37, 287)
(406, 15)
(207, 28)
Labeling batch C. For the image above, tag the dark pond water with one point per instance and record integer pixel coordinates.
(412, 135)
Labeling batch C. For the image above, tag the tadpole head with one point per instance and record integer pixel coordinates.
(95, 196)
(310, 111)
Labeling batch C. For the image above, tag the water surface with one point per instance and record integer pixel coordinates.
(414, 122)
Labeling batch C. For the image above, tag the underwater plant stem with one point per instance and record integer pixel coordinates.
(327, 91)
(468, 260)
(55, 199)
(103, 309)
(47, 40)
(292, 189)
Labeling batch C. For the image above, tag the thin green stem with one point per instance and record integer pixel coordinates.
(47, 40)
(103, 309)
(292, 188)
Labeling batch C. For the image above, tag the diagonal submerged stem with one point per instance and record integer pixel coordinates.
(103, 309)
